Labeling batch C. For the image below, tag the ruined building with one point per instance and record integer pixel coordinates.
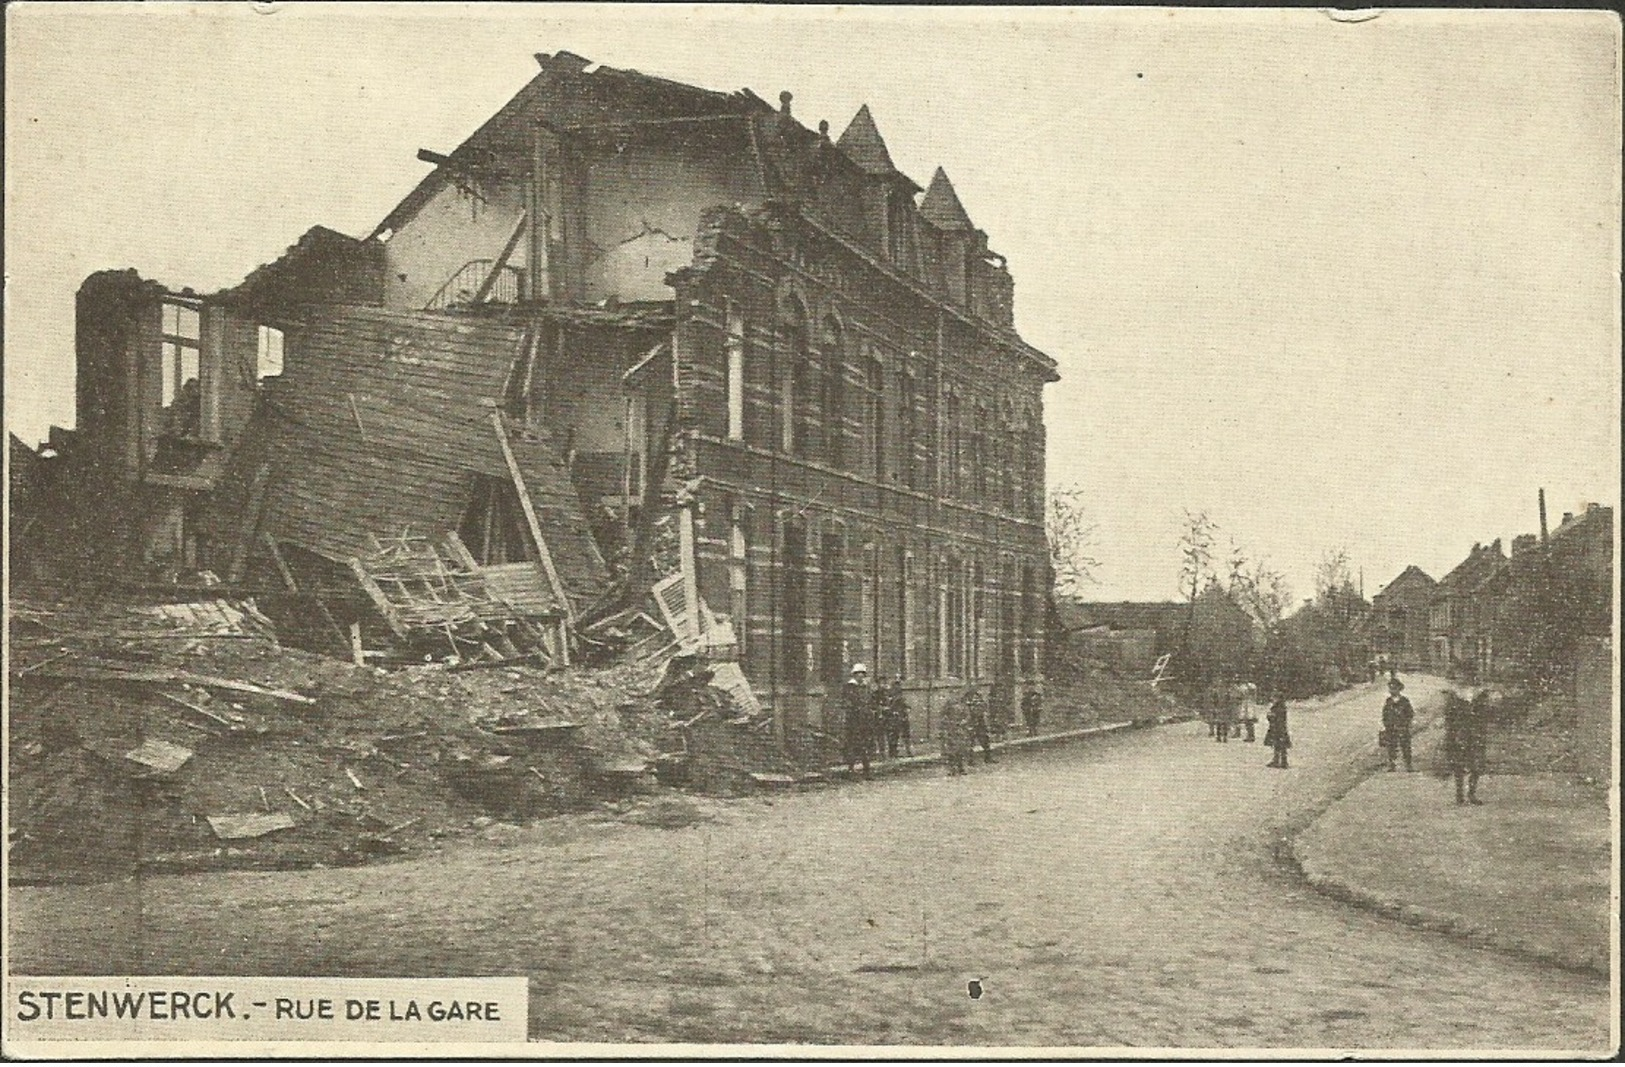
(630, 333)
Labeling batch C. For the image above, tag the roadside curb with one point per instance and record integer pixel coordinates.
(1331, 885)
(1328, 880)
(878, 768)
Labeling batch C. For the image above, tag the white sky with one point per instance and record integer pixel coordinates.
(1336, 283)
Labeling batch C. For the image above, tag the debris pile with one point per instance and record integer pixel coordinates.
(183, 737)
(435, 593)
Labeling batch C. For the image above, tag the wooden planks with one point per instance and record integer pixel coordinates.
(542, 552)
(381, 423)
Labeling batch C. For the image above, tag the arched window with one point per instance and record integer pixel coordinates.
(832, 356)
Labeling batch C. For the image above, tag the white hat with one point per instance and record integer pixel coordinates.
(858, 668)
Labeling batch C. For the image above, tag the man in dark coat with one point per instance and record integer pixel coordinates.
(880, 723)
(897, 729)
(1219, 700)
(857, 735)
(954, 726)
(1275, 734)
(1397, 715)
(1465, 723)
(1032, 706)
(976, 712)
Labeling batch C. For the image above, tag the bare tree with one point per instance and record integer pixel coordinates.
(1196, 563)
(1260, 589)
(1334, 574)
(1196, 552)
(1071, 539)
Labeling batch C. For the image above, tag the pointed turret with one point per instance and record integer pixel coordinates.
(941, 206)
(864, 145)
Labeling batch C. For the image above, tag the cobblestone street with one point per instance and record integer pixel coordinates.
(1123, 891)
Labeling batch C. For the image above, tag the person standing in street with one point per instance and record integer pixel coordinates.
(1465, 728)
(880, 721)
(1219, 697)
(1275, 734)
(897, 727)
(1032, 706)
(1397, 715)
(954, 727)
(857, 735)
(976, 712)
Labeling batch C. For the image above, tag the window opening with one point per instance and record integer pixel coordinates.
(268, 361)
(735, 350)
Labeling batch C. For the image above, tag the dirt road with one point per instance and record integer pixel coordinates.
(1118, 892)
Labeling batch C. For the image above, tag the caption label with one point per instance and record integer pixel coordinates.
(267, 1009)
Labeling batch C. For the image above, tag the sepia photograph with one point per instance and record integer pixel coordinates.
(806, 532)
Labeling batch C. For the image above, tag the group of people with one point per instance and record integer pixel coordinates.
(875, 721)
(1227, 717)
(1466, 728)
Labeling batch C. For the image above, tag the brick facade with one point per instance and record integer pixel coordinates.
(876, 494)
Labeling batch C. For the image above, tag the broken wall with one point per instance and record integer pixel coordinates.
(600, 422)
(381, 424)
(644, 201)
(455, 227)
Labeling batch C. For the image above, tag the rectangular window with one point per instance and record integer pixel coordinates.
(171, 372)
(906, 423)
(905, 631)
(1029, 621)
(182, 321)
(978, 454)
(268, 363)
(977, 621)
(832, 613)
(180, 362)
(787, 409)
(834, 407)
(793, 611)
(874, 421)
(955, 616)
(869, 609)
(735, 348)
(1012, 463)
(738, 573)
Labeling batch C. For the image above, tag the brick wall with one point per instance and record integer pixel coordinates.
(861, 550)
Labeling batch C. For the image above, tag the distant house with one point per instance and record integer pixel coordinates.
(1543, 598)
(1400, 618)
(1128, 636)
(1456, 631)
(1125, 636)
(1582, 553)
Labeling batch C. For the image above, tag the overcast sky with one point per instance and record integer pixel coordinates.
(1336, 283)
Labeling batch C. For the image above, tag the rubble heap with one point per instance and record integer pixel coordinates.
(182, 736)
